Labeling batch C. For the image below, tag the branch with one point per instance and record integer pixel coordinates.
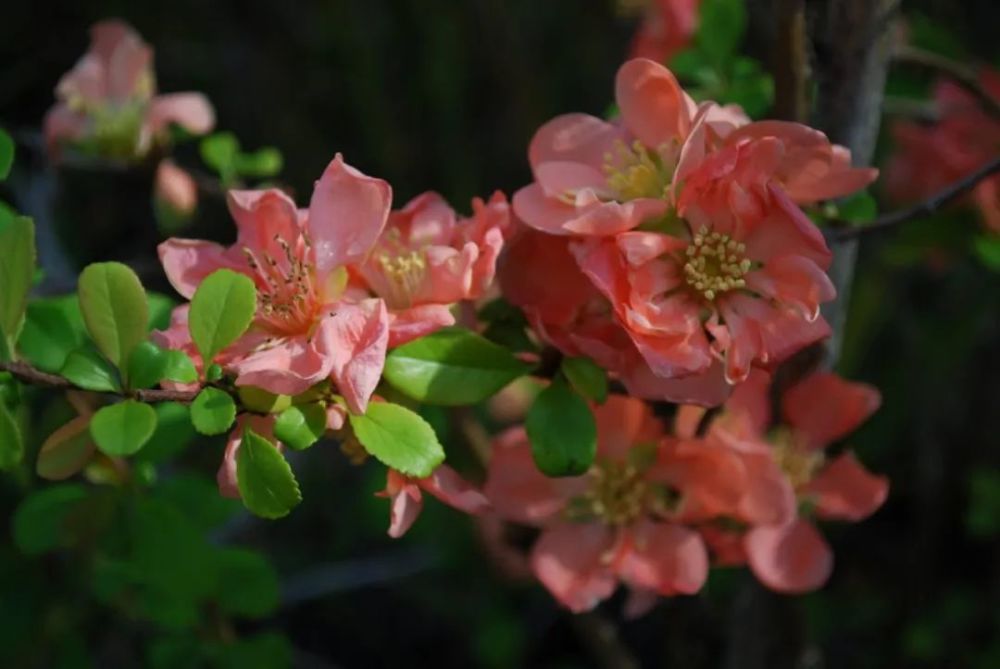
(36, 377)
(961, 74)
(929, 206)
(790, 62)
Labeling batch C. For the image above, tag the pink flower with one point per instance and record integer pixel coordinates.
(444, 483)
(305, 329)
(427, 259)
(930, 158)
(666, 28)
(175, 189)
(612, 524)
(740, 278)
(108, 103)
(790, 555)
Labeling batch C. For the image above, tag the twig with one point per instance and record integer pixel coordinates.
(961, 74)
(790, 62)
(919, 210)
(36, 377)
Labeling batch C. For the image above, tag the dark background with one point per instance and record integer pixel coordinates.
(445, 96)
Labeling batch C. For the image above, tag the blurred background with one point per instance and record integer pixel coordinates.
(431, 94)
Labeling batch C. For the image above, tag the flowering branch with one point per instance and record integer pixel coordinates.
(36, 377)
(921, 209)
(962, 75)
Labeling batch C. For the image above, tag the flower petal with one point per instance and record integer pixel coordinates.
(187, 262)
(191, 111)
(652, 103)
(354, 340)
(824, 407)
(569, 560)
(845, 490)
(667, 558)
(415, 322)
(449, 487)
(792, 558)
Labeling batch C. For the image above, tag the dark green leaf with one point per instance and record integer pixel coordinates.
(17, 267)
(39, 523)
(221, 310)
(266, 482)
(587, 378)
(6, 154)
(113, 304)
(721, 25)
(858, 209)
(11, 445)
(213, 411)
(149, 365)
(451, 367)
(122, 429)
(399, 439)
(52, 330)
(174, 432)
(562, 432)
(300, 426)
(88, 369)
(248, 585)
(987, 248)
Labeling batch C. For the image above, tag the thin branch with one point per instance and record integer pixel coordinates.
(790, 62)
(36, 377)
(961, 74)
(929, 206)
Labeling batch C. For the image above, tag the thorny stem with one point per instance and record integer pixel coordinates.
(929, 206)
(36, 377)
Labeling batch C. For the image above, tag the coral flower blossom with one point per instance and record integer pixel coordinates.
(611, 524)
(427, 259)
(405, 493)
(305, 330)
(108, 103)
(790, 555)
(667, 27)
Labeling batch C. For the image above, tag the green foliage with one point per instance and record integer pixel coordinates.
(6, 154)
(858, 209)
(221, 310)
(248, 585)
(586, 377)
(53, 328)
(17, 268)
(66, 451)
(983, 515)
(88, 369)
(507, 326)
(451, 367)
(266, 482)
(114, 308)
(398, 438)
(173, 432)
(562, 431)
(221, 151)
(261, 401)
(149, 365)
(40, 522)
(300, 426)
(721, 24)
(987, 249)
(124, 428)
(213, 411)
(11, 444)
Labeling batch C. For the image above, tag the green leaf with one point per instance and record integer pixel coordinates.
(174, 432)
(123, 428)
(858, 209)
(219, 152)
(39, 524)
(52, 330)
(221, 310)
(300, 426)
(149, 365)
(269, 650)
(721, 25)
(248, 585)
(160, 309)
(562, 432)
(66, 451)
(987, 248)
(213, 411)
(451, 367)
(266, 482)
(586, 377)
(260, 164)
(11, 445)
(399, 438)
(87, 369)
(17, 267)
(6, 154)
(114, 308)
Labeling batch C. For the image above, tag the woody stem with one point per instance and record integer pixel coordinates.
(25, 373)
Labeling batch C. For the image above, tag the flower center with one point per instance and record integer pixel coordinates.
(399, 270)
(798, 463)
(617, 493)
(635, 172)
(716, 264)
(287, 298)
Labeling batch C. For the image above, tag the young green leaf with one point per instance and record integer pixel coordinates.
(399, 438)
(721, 25)
(113, 304)
(149, 365)
(260, 164)
(17, 267)
(39, 524)
(451, 367)
(221, 310)
(66, 451)
(219, 152)
(300, 426)
(124, 428)
(87, 369)
(562, 432)
(6, 154)
(987, 248)
(586, 377)
(52, 330)
(11, 446)
(858, 209)
(213, 411)
(266, 482)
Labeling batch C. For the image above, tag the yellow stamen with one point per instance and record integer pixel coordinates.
(716, 264)
(635, 172)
